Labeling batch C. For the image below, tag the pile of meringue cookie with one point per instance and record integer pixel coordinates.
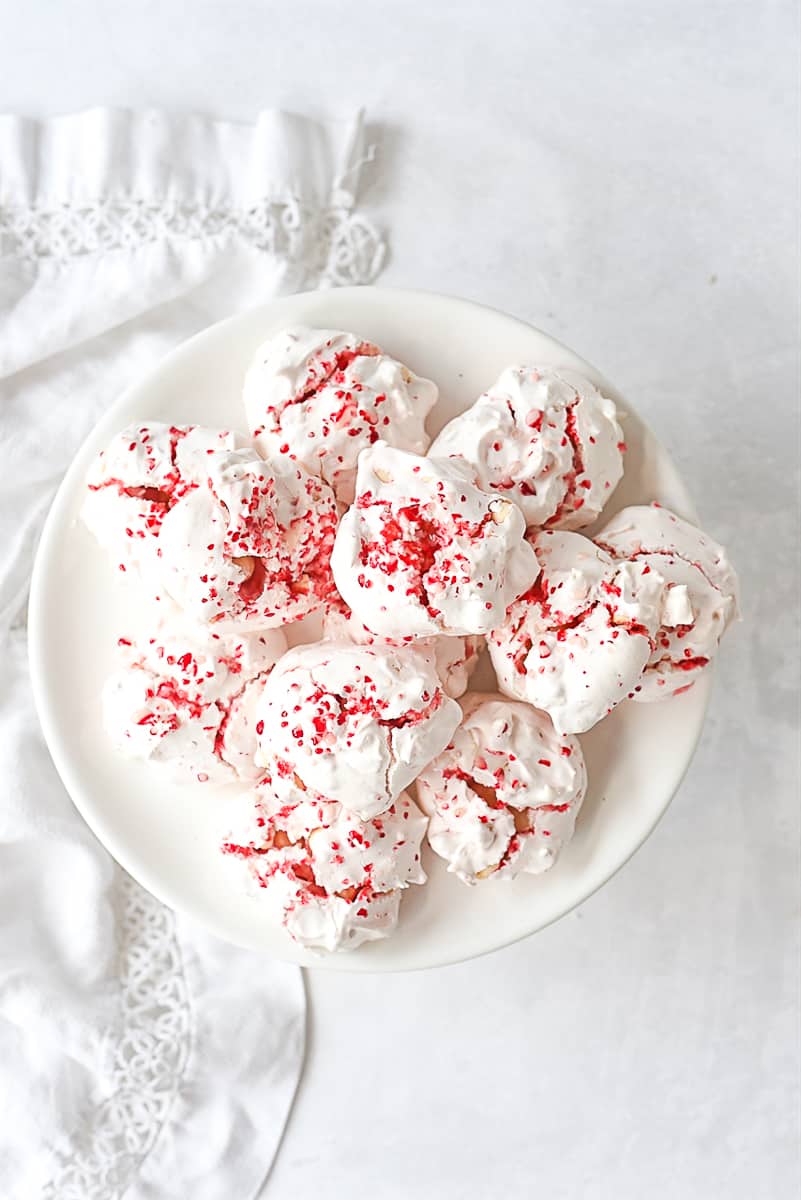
(415, 558)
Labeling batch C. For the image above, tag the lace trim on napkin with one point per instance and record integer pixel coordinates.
(148, 1060)
(334, 245)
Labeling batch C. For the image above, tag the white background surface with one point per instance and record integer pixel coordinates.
(625, 175)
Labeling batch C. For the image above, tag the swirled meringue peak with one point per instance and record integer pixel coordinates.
(578, 642)
(423, 551)
(320, 396)
(252, 548)
(454, 658)
(544, 437)
(135, 481)
(332, 880)
(701, 596)
(184, 698)
(502, 797)
(354, 723)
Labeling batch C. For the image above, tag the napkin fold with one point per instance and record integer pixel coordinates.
(138, 1055)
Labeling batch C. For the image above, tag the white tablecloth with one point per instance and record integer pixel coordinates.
(626, 175)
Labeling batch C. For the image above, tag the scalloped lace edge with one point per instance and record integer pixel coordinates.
(148, 1059)
(334, 245)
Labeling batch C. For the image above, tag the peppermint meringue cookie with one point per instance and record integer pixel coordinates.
(132, 485)
(354, 723)
(578, 642)
(544, 437)
(423, 551)
(454, 658)
(321, 396)
(332, 880)
(503, 797)
(701, 595)
(252, 548)
(184, 698)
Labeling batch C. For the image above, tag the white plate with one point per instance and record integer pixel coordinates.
(166, 835)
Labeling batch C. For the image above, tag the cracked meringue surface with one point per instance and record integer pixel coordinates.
(701, 593)
(544, 437)
(251, 548)
(320, 396)
(423, 551)
(578, 642)
(137, 479)
(332, 880)
(454, 658)
(354, 723)
(183, 698)
(503, 796)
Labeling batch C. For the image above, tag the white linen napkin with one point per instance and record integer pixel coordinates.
(138, 1055)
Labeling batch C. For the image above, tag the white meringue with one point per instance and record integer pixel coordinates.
(134, 482)
(184, 698)
(701, 598)
(251, 549)
(320, 396)
(544, 437)
(423, 551)
(503, 797)
(578, 642)
(332, 880)
(454, 658)
(238, 734)
(354, 723)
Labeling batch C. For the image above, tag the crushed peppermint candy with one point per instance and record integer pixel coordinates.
(252, 548)
(333, 880)
(321, 396)
(544, 437)
(701, 593)
(185, 698)
(355, 723)
(503, 797)
(423, 551)
(577, 642)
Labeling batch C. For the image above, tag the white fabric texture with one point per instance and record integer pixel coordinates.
(138, 1055)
